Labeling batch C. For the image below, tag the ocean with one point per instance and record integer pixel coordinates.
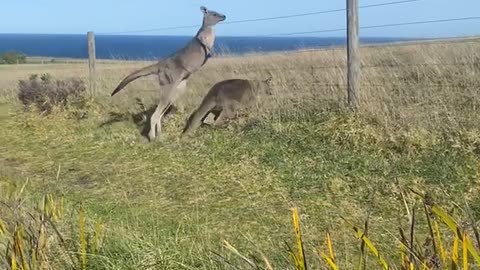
(154, 47)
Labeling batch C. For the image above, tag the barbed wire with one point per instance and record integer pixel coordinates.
(363, 85)
(344, 66)
(402, 84)
(373, 26)
(261, 19)
(320, 12)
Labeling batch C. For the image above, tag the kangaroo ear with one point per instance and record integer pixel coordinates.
(204, 9)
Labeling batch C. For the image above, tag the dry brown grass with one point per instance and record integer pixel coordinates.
(422, 85)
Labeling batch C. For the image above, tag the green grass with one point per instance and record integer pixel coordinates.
(172, 202)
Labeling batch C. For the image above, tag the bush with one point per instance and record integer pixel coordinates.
(13, 57)
(46, 93)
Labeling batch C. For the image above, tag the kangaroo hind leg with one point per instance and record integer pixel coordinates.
(197, 117)
(163, 105)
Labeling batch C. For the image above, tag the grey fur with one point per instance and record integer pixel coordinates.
(174, 70)
(225, 99)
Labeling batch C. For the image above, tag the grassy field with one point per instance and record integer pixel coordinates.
(170, 203)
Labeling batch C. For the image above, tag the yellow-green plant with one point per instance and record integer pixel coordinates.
(361, 235)
(28, 230)
(411, 259)
(298, 257)
(330, 258)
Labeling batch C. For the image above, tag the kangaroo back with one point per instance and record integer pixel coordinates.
(152, 69)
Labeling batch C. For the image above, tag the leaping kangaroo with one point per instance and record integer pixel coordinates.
(174, 70)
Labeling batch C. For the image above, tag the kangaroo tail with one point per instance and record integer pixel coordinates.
(135, 75)
(195, 120)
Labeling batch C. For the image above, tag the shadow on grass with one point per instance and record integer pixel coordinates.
(141, 119)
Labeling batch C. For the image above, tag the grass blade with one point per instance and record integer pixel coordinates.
(267, 263)
(430, 228)
(83, 239)
(34, 262)
(455, 253)
(362, 262)
(360, 235)
(298, 236)
(465, 251)
(293, 257)
(96, 237)
(19, 247)
(405, 246)
(40, 246)
(225, 260)
(472, 220)
(13, 260)
(364, 254)
(36, 248)
(412, 235)
(236, 252)
(328, 260)
(330, 246)
(443, 254)
(3, 229)
(403, 256)
(405, 203)
(445, 218)
(63, 242)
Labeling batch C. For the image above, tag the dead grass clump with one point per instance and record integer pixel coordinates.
(45, 93)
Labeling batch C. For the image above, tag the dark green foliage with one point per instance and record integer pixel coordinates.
(13, 57)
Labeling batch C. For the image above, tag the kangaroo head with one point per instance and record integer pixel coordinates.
(210, 17)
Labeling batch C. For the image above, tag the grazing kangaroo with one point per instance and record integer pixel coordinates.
(174, 70)
(225, 98)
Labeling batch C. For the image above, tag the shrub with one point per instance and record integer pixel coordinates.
(46, 93)
(13, 57)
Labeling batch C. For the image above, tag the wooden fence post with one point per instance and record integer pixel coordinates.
(91, 60)
(353, 53)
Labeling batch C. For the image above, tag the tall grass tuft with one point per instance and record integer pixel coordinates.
(412, 256)
(37, 234)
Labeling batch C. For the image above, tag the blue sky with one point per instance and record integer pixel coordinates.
(105, 16)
